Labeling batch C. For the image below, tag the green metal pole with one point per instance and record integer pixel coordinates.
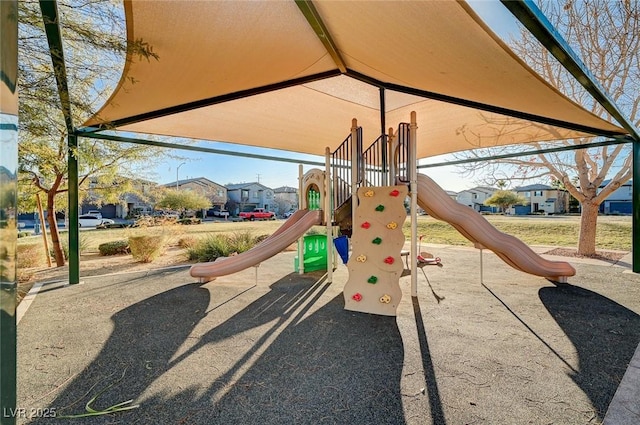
(635, 247)
(74, 231)
(51, 20)
(8, 204)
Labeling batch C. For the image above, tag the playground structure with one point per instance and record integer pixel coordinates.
(363, 205)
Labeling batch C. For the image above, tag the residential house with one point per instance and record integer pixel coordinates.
(475, 197)
(213, 191)
(131, 203)
(619, 202)
(453, 195)
(542, 199)
(252, 195)
(286, 197)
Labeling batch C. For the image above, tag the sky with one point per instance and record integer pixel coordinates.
(224, 169)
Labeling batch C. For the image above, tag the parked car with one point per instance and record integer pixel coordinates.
(95, 213)
(87, 220)
(221, 213)
(289, 213)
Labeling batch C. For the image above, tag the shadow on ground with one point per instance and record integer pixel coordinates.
(320, 364)
(604, 333)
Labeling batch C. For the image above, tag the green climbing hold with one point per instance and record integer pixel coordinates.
(373, 279)
(380, 208)
(377, 241)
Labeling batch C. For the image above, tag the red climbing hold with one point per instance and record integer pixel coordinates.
(366, 225)
(389, 260)
(394, 192)
(357, 297)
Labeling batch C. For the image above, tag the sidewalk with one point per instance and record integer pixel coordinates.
(514, 349)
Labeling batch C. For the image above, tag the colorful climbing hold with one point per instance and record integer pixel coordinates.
(394, 192)
(369, 193)
(361, 258)
(377, 241)
(389, 260)
(385, 299)
(357, 297)
(392, 225)
(365, 225)
(372, 279)
(380, 208)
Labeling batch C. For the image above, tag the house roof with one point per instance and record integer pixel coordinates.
(606, 182)
(292, 75)
(285, 189)
(238, 186)
(198, 180)
(535, 187)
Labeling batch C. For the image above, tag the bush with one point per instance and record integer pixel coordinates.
(190, 220)
(221, 245)
(146, 248)
(114, 247)
(187, 241)
(23, 234)
(31, 255)
(83, 242)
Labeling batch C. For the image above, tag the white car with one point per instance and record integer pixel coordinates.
(87, 220)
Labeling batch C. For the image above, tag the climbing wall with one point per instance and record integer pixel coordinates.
(375, 265)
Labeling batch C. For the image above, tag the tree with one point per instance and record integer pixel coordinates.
(94, 52)
(605, 34)
(504, 199)
(183, 200)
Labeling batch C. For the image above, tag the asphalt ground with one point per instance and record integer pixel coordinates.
(509, 348)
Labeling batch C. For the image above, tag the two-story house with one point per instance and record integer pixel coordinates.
(475, 197)
(619, 202)
(286, 197)
(542, 198)
(213, 191)
(252, 195)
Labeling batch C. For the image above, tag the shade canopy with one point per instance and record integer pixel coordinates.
(292, 75)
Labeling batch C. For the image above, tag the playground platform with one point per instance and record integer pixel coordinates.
(281, 349)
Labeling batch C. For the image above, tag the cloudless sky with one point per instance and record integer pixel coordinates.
(224, 169)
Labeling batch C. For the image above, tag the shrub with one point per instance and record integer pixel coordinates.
(221, 245)
(187, 241)
(146, 248)
(190, 220)
(31, 255)
(23, 234)
(83, 242)
(114, 247)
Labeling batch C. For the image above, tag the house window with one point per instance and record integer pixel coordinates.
(475, 196)
(537, 193)
(245, 194)
(220, 193)
(527, 194)
(255, 194)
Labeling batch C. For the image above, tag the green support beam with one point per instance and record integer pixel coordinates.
(51, 20)
(88, 132)
(8, 208)
(635, 225)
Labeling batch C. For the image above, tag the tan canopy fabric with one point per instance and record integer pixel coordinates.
(257, 73)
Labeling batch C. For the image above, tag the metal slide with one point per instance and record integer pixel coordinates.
(474, 227)
(288, 233)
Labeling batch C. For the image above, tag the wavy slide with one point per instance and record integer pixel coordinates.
(474, 227)
(288, 233)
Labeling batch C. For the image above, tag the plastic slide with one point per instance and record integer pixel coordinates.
(288, 233)
(474, 227)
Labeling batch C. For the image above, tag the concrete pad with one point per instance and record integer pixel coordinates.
(511, 349)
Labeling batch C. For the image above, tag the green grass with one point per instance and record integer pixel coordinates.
(612, 233)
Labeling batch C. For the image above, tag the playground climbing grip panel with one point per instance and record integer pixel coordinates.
(375, 265)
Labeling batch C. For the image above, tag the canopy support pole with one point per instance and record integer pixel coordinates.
(51, 20)
(635, 221)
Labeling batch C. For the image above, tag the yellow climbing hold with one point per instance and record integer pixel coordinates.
(369, 193)
(361, 258)
(385, 299)
(392, 225)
